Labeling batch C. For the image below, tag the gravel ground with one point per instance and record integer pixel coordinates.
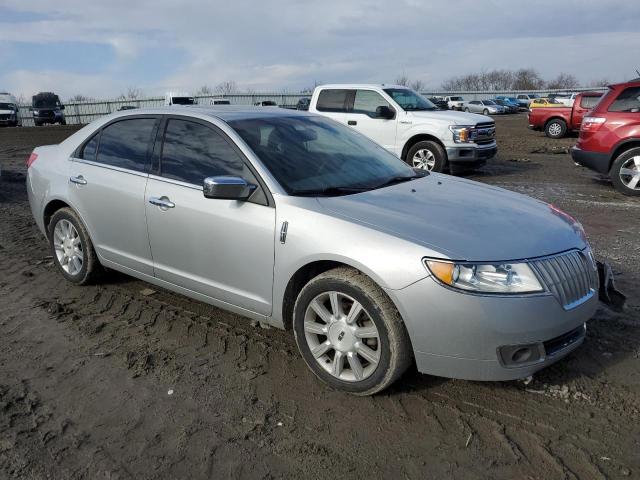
(117, 381)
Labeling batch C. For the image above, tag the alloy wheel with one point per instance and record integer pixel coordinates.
(424, 159)
(555, 129)
(68, 247)
(342, 337)
(630, 173)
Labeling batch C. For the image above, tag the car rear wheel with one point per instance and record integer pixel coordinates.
(555, 128)
(72, 249)
(466, 109)
(485, 112)
(349, 332)
(427, 155)
(625, 172)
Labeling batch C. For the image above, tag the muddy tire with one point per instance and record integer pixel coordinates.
(349, 332)
(72, 249)
(427, 155)
(555, 128)
(625, 172)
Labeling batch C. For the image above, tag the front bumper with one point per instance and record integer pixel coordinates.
(470, 155)
(458, 335)
(597, 161)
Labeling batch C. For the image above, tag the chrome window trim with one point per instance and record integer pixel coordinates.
(110, 167)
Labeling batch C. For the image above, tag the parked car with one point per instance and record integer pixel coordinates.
(266, 103)
(9, 111)
(127, 107)
(508, 107)
(219, 101)
(270, 214)
(567, 99)
(47, 108)
(524, 99)
(512, 101)
(409, 125)
(439, 102)
(455, 103)
(179, 98)
(557, 121)
(609, 140)
(303, 104)
(544, 102)
(486, 107)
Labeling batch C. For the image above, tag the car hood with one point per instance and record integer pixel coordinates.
(462, 220)
(6, 112)
(452, 118)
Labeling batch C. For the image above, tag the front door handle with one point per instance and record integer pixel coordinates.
(79, 180)
(162, 202)
(352, 122)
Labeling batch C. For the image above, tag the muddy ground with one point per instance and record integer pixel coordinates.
(105, 382)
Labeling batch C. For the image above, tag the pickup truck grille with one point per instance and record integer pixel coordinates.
(483, 133)
(4, 117)
(571, 277)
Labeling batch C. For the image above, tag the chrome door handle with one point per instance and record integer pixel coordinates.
(79, 180)
(162, 202)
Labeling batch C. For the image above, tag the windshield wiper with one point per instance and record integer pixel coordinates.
(401, 179)
(329, 191)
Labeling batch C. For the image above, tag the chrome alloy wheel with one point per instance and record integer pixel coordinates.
(342, 336)
(68, 247)
(424, 159)
(630, 173)
(555, 129)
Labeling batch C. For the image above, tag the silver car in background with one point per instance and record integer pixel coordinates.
(298, 221)
(486, 107)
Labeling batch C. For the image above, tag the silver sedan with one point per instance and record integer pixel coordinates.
(295, 220)
(486, 107)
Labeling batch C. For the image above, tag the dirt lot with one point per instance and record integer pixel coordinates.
(105, 382)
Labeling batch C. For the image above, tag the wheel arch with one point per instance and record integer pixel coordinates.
(623, 147)
(420, 137)
(555, 117)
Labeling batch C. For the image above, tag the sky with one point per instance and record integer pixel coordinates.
(102, 48)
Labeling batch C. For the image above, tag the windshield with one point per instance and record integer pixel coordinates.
(46, 102)
(317, 156)
(409, 100)
(7, 106)
(489, 102)
(183, 100)
(456, 99)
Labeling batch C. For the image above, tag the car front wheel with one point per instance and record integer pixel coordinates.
(625, 172)
(349, 332)
(427, 155)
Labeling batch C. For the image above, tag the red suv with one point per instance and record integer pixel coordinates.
(609, 139)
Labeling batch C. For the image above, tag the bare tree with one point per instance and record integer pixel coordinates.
(494, 80)
(80, 98)
(402, 80)
(226, 87)
(311, 89)
(133, 93)
(527, 79)
(204, 90)
(417, 85)
(563, 81)
(603, 82)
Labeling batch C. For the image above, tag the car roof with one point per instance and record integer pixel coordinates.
(351, 86)
(225, 113)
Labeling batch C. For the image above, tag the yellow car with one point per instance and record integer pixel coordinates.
(545, 102)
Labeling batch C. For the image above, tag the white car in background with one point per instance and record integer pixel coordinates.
(9, 111)
(179, 98)
(455, 103)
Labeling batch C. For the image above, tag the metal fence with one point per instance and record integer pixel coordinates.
(79, 113)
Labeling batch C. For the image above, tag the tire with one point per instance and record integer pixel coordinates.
(37, 124)
(555, 128)
(63, 122)
(485, 112)
(390, 351)
(433, 159)
(625, 172)
(466, 109)
(89, 268)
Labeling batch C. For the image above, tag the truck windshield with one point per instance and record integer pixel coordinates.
(7, 106)
(456, 99)
(409, 100)
(183, 100)
(46, 102)
(312, 156)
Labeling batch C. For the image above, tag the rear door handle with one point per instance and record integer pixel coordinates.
(162, 202)
(352, 122)
(79, 180)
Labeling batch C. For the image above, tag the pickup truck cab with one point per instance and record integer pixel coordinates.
(178, 98)
(455, 103)
(409, 125)
(9, 111)
(557, 121)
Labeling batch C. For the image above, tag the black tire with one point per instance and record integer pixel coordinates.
(555, 128)
(37, 124)
(63, 122)
(395, 346)
(614, 173)
(91, 268)
(435, 148)
(466, 109)
(485, 112)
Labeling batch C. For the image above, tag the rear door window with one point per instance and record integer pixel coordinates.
(627, 101)
(334, 100)
(126, 144)
(192, 152)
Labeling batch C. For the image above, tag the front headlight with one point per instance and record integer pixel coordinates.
(485, 277)
(461, 133)
(36, 112)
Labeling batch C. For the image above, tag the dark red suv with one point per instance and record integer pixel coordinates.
(609, 139)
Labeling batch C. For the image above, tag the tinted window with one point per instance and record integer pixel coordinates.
(627, 101)
(589, 102)
(90, 148)
(125, 143)
(367, 102)
(193, 152)
(333, 100)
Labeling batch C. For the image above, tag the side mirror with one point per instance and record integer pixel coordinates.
(386, 112)
(61, 107)
(227, 188)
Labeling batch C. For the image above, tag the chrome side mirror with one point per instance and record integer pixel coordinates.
(227, 188)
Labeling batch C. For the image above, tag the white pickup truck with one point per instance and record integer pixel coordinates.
(409, 125)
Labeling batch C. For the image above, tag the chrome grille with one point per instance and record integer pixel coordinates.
(571, 277)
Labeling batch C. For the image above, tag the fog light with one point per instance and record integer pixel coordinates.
(521, 355)
(513, 356)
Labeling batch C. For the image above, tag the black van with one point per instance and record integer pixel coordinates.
(47, 108)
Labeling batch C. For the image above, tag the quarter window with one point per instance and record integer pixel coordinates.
(367, 101)
(90, 148)
(627, 101)
(125, 144)
(193, 152)
(333, 100)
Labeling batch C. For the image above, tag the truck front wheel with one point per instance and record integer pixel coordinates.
(555, 128)
(427, 155)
